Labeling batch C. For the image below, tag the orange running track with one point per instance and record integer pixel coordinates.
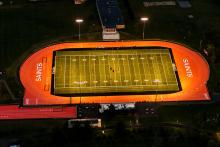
(9, 112)
(36, 72)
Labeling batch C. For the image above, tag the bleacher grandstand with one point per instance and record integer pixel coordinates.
(110, 17)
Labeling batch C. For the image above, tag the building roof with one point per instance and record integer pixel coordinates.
(109, 13)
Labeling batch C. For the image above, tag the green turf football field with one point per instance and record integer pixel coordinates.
(111, 71)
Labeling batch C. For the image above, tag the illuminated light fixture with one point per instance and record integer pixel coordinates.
(144, 20)
(79, 21)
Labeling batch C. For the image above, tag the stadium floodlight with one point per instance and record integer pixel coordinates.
(144, 20)
(79, 21)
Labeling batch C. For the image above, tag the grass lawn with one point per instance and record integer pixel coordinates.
(114, 71)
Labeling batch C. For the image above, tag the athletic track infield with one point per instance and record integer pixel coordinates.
(100, 72)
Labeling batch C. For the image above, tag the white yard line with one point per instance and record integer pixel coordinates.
(115, 71)
(85, 69)
(94, 72)
(172, 68)
(149, 72)
(89, 67)
(163, 68)
(99, 70)
(125, 74)
(133, 67)
(108, 65)
(54, 77)
(79, 74)
(70, 78)
(129, 70)
(143, 63)
(104, 69)
(138, 66)
(76, 70)
(64, 72)
(153, 63)
(119, 68)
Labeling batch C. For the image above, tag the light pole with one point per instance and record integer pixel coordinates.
(79, 21)
(144, 20)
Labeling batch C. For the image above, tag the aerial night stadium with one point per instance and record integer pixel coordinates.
(110, 73)
(114, 72)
